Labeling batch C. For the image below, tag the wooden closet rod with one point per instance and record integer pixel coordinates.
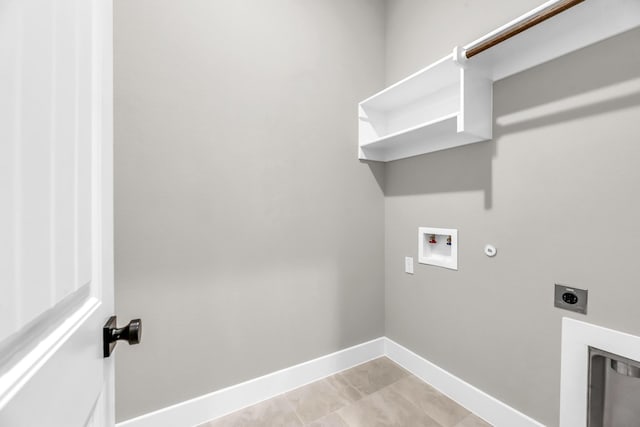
(539, 17)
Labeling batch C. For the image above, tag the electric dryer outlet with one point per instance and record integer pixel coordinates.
(570, 298)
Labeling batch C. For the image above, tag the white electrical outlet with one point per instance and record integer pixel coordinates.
(408, 264)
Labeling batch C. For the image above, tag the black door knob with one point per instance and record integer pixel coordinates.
(111, 334)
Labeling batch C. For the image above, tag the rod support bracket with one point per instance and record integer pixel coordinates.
(459, 56)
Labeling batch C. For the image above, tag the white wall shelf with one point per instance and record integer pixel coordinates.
(449, 103)
(441, 106)
(584, 24)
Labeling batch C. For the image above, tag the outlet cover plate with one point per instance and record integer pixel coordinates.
(570, 298)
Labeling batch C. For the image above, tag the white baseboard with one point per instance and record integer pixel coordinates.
(480, 403)
(213, 405)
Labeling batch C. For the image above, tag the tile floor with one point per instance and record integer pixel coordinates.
(375, 394)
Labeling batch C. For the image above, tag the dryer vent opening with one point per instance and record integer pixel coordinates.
(614, 390)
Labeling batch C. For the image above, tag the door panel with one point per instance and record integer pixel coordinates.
(9, 120)
(47, 188)
(63, 374)
(56, 261)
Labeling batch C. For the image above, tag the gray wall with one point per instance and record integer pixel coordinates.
(248, 236)
(556, 192)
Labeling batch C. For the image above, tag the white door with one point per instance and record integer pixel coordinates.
(56, 263)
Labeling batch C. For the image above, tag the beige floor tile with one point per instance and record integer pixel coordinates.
(385, 408)
(473, 421)
(344, 388)
(316, 400)
(273, 412)
(378, 393)
(374, 375)
(331, 420)
(438, 406)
